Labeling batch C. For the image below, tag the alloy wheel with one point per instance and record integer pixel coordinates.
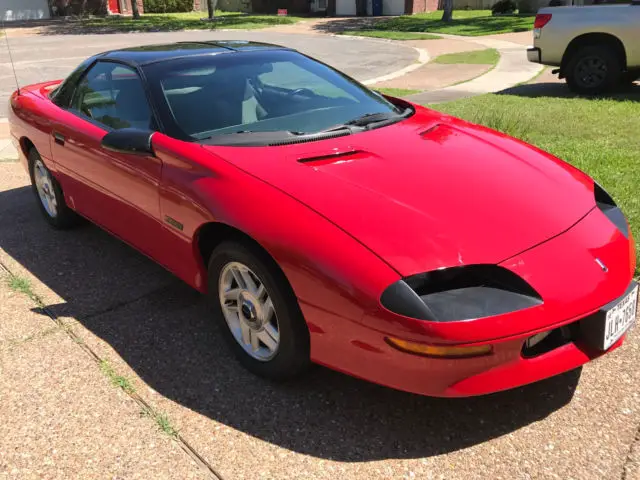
(44, 185)
(249, 311)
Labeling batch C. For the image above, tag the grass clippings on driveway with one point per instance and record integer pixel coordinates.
(391, 35)
(465, 22)
(598, 136)
(165, 22)
(490, 56)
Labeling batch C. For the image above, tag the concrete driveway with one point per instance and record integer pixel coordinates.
(154, 330)
(50, 57)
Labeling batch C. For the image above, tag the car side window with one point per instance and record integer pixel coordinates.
(113, 95)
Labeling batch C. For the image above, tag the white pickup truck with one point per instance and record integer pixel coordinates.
(596, 47)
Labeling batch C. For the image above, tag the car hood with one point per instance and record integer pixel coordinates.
(429, 192)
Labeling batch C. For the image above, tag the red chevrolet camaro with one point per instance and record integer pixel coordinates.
(330, 224)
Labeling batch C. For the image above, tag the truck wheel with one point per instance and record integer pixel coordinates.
(593, 70)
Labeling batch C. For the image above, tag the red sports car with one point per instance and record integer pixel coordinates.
(331, 224)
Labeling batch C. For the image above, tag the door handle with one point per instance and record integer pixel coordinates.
(58, 138)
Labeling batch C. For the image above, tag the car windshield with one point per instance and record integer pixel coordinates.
(247, 94)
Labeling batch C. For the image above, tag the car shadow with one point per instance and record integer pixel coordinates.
(161, 328)
(560, 90)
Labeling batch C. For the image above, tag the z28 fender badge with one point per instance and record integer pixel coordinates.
(173, 222)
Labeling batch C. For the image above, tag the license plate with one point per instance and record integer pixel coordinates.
(605, 327)
(619, 318)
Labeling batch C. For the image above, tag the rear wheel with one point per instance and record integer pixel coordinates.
(257, 312)
(49, 195)
(593, 70)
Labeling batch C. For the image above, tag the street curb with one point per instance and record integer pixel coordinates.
(423, 55)
(496, 79)
(423, 58)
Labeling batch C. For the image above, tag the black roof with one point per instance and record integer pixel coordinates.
(156, 53)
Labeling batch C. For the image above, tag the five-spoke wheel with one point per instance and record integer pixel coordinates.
(49, 194)
(249, 311)
(257, 311)
(44, 186)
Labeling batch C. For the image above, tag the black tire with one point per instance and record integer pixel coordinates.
(64, 217)
(593, 70)
(292, 356)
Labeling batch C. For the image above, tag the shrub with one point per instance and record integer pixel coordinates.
(503, 6)
(168, 6)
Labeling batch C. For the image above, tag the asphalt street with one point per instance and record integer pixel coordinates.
(50, 57)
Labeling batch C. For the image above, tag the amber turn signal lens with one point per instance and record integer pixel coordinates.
(438, 350)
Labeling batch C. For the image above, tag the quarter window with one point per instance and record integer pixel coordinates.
(113, 95)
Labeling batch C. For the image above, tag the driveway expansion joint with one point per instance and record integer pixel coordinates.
(119, 305)
(142, 403)
(625, 474)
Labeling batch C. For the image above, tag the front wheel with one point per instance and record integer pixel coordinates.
(257, 312)
(593, 70)
(49, 194)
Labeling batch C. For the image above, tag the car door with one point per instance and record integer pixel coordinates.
(118, 191)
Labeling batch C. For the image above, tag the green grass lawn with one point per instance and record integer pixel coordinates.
(151, 22)
(396, 92)
(490, 56)
(465, 22)
(391, 35)
(599, 136)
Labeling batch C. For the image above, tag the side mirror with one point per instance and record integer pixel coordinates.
(133, 141)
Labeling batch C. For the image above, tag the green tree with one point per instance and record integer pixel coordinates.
(447, 13)
(135, 10)
(211, 7)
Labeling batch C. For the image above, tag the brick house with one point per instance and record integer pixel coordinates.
(92, 7)
(123, 6)
(381, 7)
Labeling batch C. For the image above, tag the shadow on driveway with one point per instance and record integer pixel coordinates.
(560, 90)
(160, 327)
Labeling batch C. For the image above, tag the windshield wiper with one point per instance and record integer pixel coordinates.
(251, 132)
(370, 119)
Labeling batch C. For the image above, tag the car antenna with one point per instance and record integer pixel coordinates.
(6, 39)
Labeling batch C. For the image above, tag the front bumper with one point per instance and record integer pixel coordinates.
(563, 270)
(534, 55)
(372, 359)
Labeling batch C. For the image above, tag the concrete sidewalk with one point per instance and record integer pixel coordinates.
(512, 69)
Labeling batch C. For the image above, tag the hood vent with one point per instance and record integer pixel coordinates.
(333, 158)
(431, 130)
